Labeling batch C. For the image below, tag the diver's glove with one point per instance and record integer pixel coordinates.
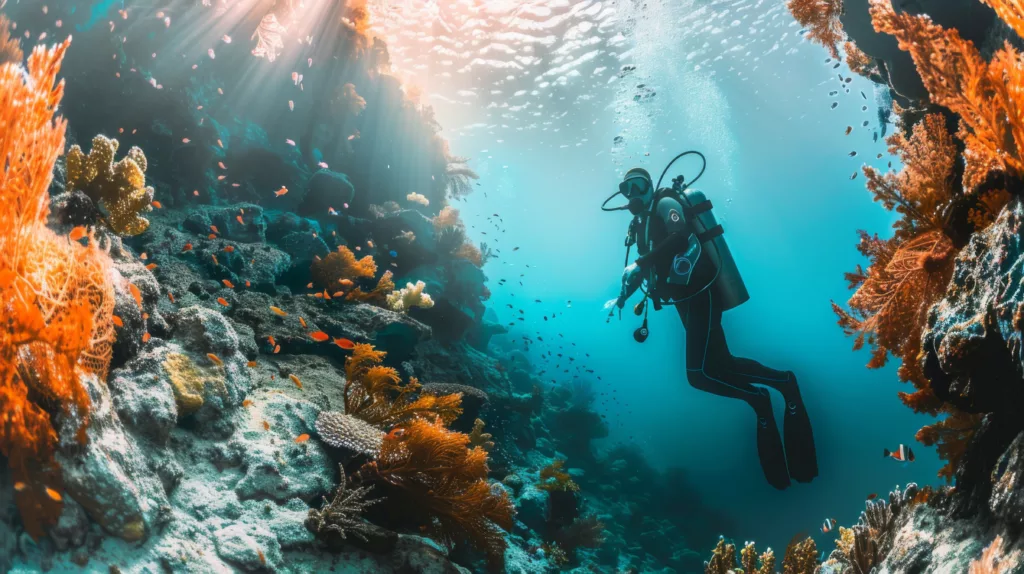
(632, 277)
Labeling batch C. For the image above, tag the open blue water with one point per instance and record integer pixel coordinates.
(534, 92)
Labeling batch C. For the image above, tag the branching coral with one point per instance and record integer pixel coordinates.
(801, 556)
(986, 95)
(723, 559)
(757, 564)
(479, 438)
(10, 49)
(121, 186)
(859, 62)
(431, 472)
(821, 19)
(952, 435)
(908, 272)
(56, 299)
(378, 295)
(408, 297)
(375, 394)
(340, 267)
(343, 514)
(553, 478)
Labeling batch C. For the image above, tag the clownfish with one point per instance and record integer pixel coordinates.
(902, 454)
(828, 525)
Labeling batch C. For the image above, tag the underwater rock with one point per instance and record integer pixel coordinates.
(326, 190)
(251, 229)
(143, 396)
(304, 248)
(109, 476)
(72, 527)
(458, 363)
(73, 208)
(251, 547)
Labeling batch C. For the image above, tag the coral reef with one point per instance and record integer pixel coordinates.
(120, 187)
(343, 431)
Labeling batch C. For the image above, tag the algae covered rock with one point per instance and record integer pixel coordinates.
(325, 190)
(250, 547)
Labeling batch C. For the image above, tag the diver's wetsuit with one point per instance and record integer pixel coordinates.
(710, 366)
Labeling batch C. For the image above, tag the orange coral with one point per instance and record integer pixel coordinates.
(56, 299)
(430, 473)
(470, 253)
(821, 19)
(553, 478)
(859, 62)
(952, 435)
(342, 265)
(378, 296)
(986, 95)
(10, 49)
(909, 272)
(376, 394)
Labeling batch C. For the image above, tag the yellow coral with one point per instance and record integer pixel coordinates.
(408, 297)
(801, 557)
(479, 438)
(755, 564)
(189, 382)
(723, 559)
(120, 186)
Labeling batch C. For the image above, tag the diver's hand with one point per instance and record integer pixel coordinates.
(631, 279)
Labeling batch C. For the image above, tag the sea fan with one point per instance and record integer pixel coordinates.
(268, 38)
(821, 19)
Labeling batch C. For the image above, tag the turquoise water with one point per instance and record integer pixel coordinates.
(779, 175)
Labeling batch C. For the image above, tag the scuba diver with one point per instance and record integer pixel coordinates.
(684, 261)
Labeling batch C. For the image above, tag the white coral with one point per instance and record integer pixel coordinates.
(418, 198)
(408, 297)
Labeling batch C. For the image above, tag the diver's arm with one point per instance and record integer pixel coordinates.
(678, 239)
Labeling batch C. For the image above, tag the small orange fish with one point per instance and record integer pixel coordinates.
(117, 320)
(247, 403)
(157, 205)
(19, 486)
(338, 294)
(227, 283)
(319, 336)
(145, 316)
(345, 344)
(272, 341)
(309, 285)
(220, 164)
(278, 311)
(170, 296)
(281, 191)
(195, 192)
(230, 249)
(152, 266)
(873, 496)
(397, 432)
(277, 349)
(266, 425)
(239, 218)
(251, 364)
(143, 256)
(318, 295)
(216, 360)
(302, 322)
(53, 494)
(145, 337)
(215, 262)
(223, 301)
(247, 284)
(302, 438)
(214, 229)
(345, 282)
(136, 294)
(77, 233)
(326, 296)
(188, 247)
(212, 236)
(295, 380)
(263, 559)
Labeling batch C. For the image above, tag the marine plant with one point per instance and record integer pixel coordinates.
(56, 298)
(341, 266)
(457, 174)
(376, 394)
(479, 438)
(342, 515)
(408, 297)
(583, 532)
(10, 49)
(120, 187)
(553, 478)
(451, 237)
(431, 474)
(378, 295)
(821, 20)
(800, 558)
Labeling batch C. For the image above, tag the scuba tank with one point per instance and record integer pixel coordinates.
(728, 287)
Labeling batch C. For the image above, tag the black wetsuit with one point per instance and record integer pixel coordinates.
(710, 366)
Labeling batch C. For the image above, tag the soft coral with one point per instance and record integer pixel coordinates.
(56, 298)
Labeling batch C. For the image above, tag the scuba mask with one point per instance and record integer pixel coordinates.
(637, 190)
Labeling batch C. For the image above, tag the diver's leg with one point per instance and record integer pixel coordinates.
(706, 354)
(799, 437)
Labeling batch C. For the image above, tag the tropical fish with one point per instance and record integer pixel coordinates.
(216, 360)
(266, 425)
(295, 380)
(239, 219)
(302, 438)
(277, 349)
(227, 283)
(873, 496)
(117, 321)
(396, 433)
(345, 344)
(19, 486)
(319, 336)
(902, 454)
(77, 233)
(214, 229)
(145, 337)
(281, 191)
(151, 266)
(170, 296)
(278, 311)
(53, 494)
(828, 525)
(136, 294)
(187, 247)
(215, 262)
(143, 256)
(251, 364)
(229, 249)
(247, 403)
(223, 301)
(271, 340)
(157, 204)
